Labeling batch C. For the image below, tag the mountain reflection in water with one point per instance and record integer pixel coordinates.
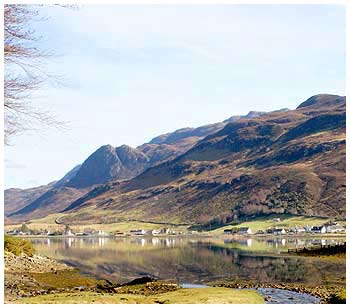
(194, 260)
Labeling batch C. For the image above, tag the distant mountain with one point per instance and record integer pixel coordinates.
(23, 201)
(16, 198)
(280, 162)
(285, 161)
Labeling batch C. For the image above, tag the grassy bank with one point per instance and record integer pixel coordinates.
(180, 296)
(50, 223)
(263, 223)
(33, 279)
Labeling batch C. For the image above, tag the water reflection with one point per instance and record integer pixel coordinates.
(195, 260)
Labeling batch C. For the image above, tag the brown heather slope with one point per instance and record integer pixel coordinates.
(16, 198)
(106, 164)
(289, 162)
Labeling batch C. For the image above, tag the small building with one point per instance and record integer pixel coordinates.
(318, 229)
(334, 228)
(80, 234)
(277, 219)
(172, 232)
(279, 231)
(165, 231)
(12, 232)
(228, 231)
(297, 230)
(155, 232)
(101, 233)
(276, 231)
(68, 232)
(260, 232)
(308, 229)
(139, 232)
(244, 230)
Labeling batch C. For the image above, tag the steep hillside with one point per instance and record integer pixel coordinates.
(280, 162)
(105, 164)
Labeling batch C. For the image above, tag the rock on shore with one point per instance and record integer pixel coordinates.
(35, 264)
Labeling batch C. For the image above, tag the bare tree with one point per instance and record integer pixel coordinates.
(24, 71)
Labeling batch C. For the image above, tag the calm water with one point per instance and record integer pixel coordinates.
(193, 261)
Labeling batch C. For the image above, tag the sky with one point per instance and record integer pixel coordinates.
(129, 73)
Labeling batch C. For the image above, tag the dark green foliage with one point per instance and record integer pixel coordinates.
(24, 228)
(17, 246)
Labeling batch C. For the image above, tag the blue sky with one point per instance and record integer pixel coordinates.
(133, 72)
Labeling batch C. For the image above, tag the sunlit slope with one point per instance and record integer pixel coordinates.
(288, 162)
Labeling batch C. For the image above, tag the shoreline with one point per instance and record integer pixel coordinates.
(48, 281)
(46, 277)
(226, 236)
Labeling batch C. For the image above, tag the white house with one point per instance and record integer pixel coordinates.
(140, 232)
(279, 231)
(334, 228)
(299, 230)
(155, 232)
(68, 232)
(244, 230)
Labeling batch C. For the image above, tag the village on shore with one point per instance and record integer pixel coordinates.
(327, 228)
(330, 227)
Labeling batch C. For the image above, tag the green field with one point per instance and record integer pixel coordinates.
(48, 223)
(263, 223)
(287, 221)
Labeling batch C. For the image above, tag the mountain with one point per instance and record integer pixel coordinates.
(38, 201)
(279, 162)
(69, 175)
(285, 161)
(105, 164)
(15, 198)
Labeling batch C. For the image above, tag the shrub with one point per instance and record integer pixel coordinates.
(338, 298)
(17, 246)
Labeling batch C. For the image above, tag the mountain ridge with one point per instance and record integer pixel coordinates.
(285, 162)
(178, 155)
(123, 162)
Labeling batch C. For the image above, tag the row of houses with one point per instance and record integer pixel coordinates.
(57, 233)
(326, 228)
(92, 232)
(331, 227)
(155, 232)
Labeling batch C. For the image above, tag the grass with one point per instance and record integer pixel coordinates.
(264, 223)
(48, 223)
(63, 279)
(181, 296)
(18, 246)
